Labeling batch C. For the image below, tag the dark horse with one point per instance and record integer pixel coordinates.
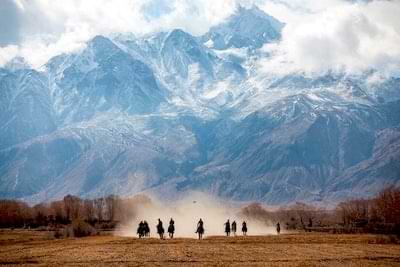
(244, 228)
(234, 228)
(160, 229)
(200, 229)
(171, 228)
(146, 229)
(228, 228)
(140, 230)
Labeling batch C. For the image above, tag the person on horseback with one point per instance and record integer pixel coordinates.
(228, 228)
(234, 228)
(200, 229)
(278, 228)
(171, 228)
(244, 228)
(146, 229)
(140, 229)
(160, 229)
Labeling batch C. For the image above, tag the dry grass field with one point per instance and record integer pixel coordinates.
(302, 249)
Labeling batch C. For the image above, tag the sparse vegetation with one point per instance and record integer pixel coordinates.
(22, 247)
(80, 228)
(380, 214)
(71, 216)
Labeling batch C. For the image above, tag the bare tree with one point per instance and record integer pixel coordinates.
(72, 207)
(99, 208)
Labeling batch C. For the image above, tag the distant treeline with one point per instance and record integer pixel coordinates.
(102, 212)
(380, 214)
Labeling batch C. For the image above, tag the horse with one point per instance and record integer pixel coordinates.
(228, 228)
(140, 229)
(234, 228)
(244, 228)
(200, 229)
(160, 229)
(146, 229)
(171, 228)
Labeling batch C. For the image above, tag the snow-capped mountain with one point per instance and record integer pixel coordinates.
(101, 78)
(25, 108)
(171, 112)
(246, 28)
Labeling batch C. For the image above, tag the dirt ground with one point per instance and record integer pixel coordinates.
(20, 247)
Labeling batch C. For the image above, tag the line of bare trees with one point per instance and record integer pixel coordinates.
(104, 212)
(380, 214)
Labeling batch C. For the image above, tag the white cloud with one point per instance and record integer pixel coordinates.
(339, 35)
(48, 27)
(345, 37)
(7, 53)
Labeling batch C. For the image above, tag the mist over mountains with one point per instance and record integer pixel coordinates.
(170, 112)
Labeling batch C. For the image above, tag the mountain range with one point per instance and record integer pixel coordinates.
(170, 112)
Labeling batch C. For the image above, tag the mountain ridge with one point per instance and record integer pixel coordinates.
(169, 113)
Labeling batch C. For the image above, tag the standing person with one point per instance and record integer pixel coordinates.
(244, 228)
(140, 229)
(228, 228)
(146, 229)
(278, 228)
(234, 228)
(160, 229)
(171, 228)
(200, 229)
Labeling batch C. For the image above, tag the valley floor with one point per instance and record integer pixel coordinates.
(20, 247)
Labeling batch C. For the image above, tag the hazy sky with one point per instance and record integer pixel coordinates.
(319, 35)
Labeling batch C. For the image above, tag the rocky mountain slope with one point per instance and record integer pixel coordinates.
(171, 112)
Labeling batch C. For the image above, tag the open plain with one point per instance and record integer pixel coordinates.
(23, 247)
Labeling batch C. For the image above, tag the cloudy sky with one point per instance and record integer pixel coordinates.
(320, 35)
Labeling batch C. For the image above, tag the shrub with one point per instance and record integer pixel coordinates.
(387, 239)
(106, 225)
(80, 228)
(59, 233)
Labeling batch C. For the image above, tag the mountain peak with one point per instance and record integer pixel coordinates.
(179, 34)
(17, 63)
(99, 42)
(246, 27)
(253, 9)
(180, 49)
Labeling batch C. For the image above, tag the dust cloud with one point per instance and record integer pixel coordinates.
(187, 211)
